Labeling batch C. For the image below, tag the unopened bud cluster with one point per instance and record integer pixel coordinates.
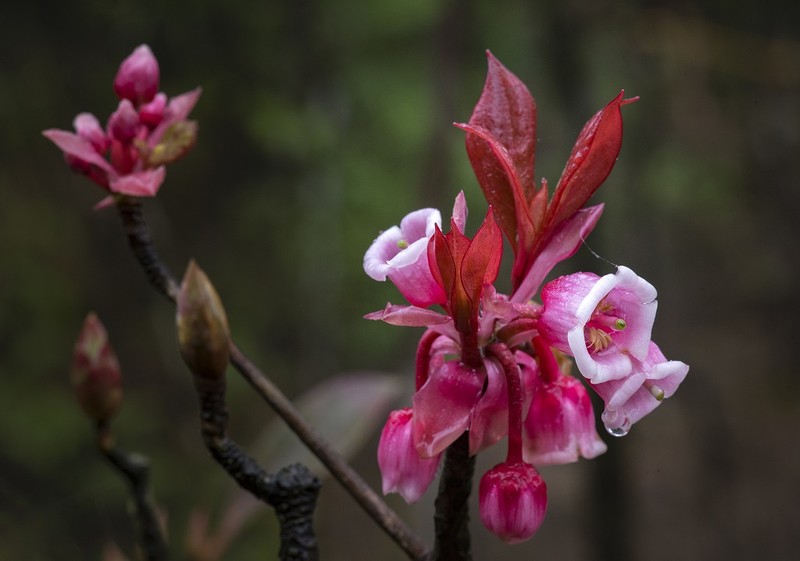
(147, 131)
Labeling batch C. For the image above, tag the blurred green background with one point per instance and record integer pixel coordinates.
(322, 123)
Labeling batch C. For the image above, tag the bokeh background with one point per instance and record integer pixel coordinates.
(324, 122)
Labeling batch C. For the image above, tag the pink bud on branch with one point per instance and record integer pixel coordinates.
(95, 372)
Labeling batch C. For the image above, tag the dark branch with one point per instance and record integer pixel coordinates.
(136, 470)
(292, 492)
(141, 242)
(160, 277)
(452, 504)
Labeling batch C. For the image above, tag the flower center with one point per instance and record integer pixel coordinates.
(601, 327)
(402, 244)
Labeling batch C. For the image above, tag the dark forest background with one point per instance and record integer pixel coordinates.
(323, 122)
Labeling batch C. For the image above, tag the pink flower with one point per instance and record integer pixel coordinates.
(402, 469)
(443, 405)
(631, 398)
(144, 133)
(401, 255)
(604, 322)
(138, 76)
(513, 501)
(560, 424)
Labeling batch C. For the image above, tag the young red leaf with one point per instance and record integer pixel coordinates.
(507, 109)
(590, 162)
(495, 171)
(500, 141)
(443, 268)
(482, 259)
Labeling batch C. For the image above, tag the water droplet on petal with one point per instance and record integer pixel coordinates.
(615, 425)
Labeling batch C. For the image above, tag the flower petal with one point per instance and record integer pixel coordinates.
(74, 145)
(140, 184)
(562, 244)
(408, 316)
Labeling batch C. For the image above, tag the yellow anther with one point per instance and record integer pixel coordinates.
(599, 340)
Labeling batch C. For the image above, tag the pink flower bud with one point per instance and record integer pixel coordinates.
(513, 501)
(152, 113)
(137, 77)
(123, 125)
(402, 469)
(95, 373)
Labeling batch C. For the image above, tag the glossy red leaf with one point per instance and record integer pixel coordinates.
(482, 260)
(500, 185)
(500, 141)
(590, 162)
(507, 109)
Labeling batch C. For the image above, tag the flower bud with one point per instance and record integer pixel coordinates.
(95, 373)
(152, 113)
(203, 334)
(513, 501)
(402, 469)
(123, 125)
(137, 77)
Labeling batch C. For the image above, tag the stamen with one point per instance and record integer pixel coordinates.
(615, 323)
(599, 340)
(402, 244)
(654, 390)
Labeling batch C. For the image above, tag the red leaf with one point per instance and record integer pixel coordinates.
(501, 139)
(507, 109)
(589, 164)
(482, 259)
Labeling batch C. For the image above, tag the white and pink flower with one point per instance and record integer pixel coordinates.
(604, 322)
(401, 255)
(629, 399)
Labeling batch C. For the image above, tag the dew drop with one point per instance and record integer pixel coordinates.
(611, 419)
(618, 432)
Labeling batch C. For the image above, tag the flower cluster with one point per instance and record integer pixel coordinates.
(496, 365)
(146, 132)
